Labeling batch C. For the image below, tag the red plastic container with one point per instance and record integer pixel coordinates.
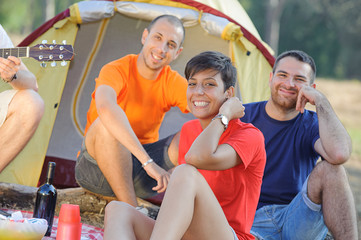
(69, 225)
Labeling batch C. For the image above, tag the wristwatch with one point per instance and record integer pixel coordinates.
(224, 120)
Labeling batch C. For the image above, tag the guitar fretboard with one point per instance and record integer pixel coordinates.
(16, 52)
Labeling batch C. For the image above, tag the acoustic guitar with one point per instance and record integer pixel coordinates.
(42, 53)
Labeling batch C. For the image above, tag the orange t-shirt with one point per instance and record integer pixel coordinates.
(237, 189)
(144, 101)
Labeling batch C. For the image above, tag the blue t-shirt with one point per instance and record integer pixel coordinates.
(290, 152)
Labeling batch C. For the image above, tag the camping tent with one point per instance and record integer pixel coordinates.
(102, 31)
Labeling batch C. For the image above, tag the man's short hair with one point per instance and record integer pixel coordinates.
(216, 61)
(176, 22)
(300, 56)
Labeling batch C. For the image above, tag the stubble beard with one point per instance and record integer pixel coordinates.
(149, 65)
(283, 103)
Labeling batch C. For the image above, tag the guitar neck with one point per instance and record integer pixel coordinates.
(16, 52)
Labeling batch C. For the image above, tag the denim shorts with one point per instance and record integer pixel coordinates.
(301, 219)
(89, 176)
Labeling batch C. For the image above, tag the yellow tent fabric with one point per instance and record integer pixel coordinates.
(26, 168)
(252, 70)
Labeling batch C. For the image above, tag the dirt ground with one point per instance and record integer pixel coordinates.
(345, 97)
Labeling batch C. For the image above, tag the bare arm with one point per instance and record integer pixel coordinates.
(115, 120)
(334, 144)
(24, 78)
(205, 153)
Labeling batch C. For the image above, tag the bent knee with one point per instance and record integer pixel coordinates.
(186, 174)
(327, 171)
(98, 130)
(186, 170)
(30, 102)
(114, 207)
(35, 101)
(325, 176)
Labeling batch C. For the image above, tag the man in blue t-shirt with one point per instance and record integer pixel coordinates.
(301, 199)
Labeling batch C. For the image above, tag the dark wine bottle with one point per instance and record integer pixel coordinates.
(46, 199)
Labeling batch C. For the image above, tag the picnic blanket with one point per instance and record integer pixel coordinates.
(88, 231)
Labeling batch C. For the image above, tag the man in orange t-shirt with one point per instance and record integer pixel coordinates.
(121, 155)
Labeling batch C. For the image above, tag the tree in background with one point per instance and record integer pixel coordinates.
(22, 17)
(274, 11)
(329, 30)
(48, 9)
(345, 19)
(18, 16)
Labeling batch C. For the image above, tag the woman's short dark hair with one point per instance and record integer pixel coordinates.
(300, 56)
(216, 61)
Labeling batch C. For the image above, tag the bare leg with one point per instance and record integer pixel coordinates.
(122, 221)
(173, 149)
(328, 185)
(24, 114)
(190, 210)
(114, 160)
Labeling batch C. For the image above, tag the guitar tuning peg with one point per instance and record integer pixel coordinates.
(64, 42)
(44, 42)
(54, 41)
(63, 63)
(53, 64)
(43, 64)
